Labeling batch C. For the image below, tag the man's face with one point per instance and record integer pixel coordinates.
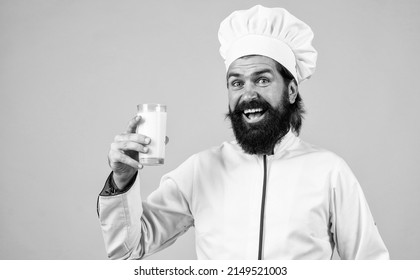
(258, 103)
(252, 78)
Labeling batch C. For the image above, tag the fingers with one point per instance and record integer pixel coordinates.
(126, 146)
(116, 156)
(132, 124)
(132, 137)
(129, 146)
(124, 151)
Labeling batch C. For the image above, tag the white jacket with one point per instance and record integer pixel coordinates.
(313, 203)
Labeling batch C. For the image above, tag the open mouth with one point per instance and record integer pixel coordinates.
(254, 115)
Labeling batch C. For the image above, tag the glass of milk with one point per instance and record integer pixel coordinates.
(153, 125)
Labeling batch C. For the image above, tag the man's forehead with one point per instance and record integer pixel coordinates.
(250, 64)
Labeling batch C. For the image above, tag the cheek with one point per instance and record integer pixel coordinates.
(233, 100)
(275, 98)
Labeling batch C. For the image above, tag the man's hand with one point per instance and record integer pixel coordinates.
(123, 157)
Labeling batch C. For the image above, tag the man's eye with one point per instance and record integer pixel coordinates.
(263, 81)
(236, 83)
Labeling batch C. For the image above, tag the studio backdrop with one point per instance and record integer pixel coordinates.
(72, 73)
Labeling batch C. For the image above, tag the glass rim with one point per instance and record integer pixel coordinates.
(151, 107)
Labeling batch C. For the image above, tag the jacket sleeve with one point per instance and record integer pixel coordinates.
(355, 233)
(133, 229)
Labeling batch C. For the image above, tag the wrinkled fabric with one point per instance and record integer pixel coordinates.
(314, 204)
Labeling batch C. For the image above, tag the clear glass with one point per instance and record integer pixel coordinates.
(153, 125)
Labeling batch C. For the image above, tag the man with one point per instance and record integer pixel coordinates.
(267, 195)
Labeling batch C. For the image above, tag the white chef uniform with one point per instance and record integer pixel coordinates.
(313, 204)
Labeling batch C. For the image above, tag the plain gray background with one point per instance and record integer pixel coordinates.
(72, 72)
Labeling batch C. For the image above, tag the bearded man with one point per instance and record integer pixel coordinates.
(267, 195)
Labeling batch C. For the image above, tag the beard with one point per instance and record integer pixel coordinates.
(261, 137)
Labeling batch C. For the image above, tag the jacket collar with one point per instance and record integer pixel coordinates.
(285, 144)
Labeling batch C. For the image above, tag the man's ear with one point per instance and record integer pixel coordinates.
(293, 91)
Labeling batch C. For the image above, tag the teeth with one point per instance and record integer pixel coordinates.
(251, 111)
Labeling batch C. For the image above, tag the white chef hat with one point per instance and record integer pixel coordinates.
(271, 32)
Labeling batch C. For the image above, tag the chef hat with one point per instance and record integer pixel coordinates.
(271, 32)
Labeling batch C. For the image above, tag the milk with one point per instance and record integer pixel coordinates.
(153, 125)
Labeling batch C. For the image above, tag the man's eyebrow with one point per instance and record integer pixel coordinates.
(260, 72)
(232, 74)
(263, 71)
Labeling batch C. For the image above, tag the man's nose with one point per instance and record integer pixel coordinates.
(250, 92)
